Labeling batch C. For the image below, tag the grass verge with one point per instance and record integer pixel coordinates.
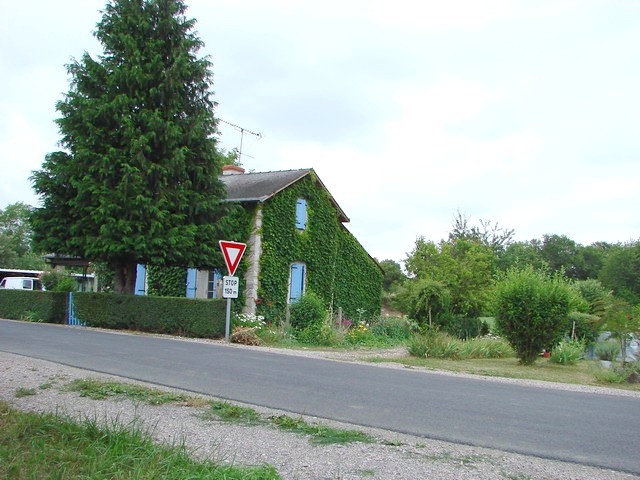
(319, 434)
(47, 446)
(582, 373)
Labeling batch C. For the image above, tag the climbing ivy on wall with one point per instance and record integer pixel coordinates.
(166, 281)
(353, 274)
(358, 283)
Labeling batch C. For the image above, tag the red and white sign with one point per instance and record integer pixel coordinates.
(232, 253)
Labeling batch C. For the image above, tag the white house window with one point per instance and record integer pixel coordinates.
(301, 214)
(296, 281)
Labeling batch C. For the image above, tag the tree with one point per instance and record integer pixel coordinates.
(489, 234)
(15, 238)
(621, 271)
(138, 180)
(562, 255)
(429, 299)
(531, 310)
(392, 274)
(520, 254)
(464, 266)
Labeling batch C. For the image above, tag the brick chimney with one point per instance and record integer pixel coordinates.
(232, 170)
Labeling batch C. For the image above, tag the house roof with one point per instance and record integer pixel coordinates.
(261, 186)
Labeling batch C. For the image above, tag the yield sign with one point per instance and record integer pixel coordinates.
(232, 253)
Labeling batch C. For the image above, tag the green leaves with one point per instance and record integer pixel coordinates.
(531, 310)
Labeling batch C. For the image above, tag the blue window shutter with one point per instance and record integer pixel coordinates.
(301, 214)
(296, 288)
(191, 282)
(141, 280)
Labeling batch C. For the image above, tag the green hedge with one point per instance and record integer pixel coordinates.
(50, 307)
(170, 315)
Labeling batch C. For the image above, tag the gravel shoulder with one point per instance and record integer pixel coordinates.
(393, 456)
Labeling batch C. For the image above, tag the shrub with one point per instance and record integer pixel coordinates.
(320, 334)
(485, 347)
(608, 350)
(531, 310)
(308, 312)
(433, 343)
(622, 373)
(57, 282)
(170, 315)
(611, 375)
(359, 333)
(567, 352)
(464, 327)
(394, 328)
(50, 307)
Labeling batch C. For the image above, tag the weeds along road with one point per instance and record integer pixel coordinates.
(593, 429)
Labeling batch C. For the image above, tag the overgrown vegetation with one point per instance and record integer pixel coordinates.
(47, 446)
(436, 344)
(343, 273)
(567, 352)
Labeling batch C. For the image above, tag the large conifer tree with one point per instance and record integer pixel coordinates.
(137, 181)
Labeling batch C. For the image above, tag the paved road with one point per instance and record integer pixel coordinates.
(592, 429)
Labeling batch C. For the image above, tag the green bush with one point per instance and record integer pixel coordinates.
(485, 347)
(608, 350)
(464, 327)
(433, 343)
(50, 307)
(394, 328)
(322, 334)
(617, 373)
(308, 312)
(169, 315)
(568, 352)
(531, 310)
(58, 282)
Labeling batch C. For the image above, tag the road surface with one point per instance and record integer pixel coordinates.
(592, 429)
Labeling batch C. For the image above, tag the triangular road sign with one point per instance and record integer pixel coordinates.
(232, 253)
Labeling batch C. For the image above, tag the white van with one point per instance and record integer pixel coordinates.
(21, 283)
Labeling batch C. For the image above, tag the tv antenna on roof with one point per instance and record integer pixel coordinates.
(242, 130)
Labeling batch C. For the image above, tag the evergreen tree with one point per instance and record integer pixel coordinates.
(138, 179)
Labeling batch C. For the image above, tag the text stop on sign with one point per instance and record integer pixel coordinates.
(230, 287)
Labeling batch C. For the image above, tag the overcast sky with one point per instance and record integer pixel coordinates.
(524, 113)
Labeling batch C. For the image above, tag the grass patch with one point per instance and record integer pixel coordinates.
(100, 390)
(582, 373)
(24, 392)
(320, 434)
(234, 413)
(46, 446)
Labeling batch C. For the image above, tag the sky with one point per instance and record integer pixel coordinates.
(524, 113)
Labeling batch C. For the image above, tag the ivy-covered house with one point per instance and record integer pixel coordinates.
(296, 242)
